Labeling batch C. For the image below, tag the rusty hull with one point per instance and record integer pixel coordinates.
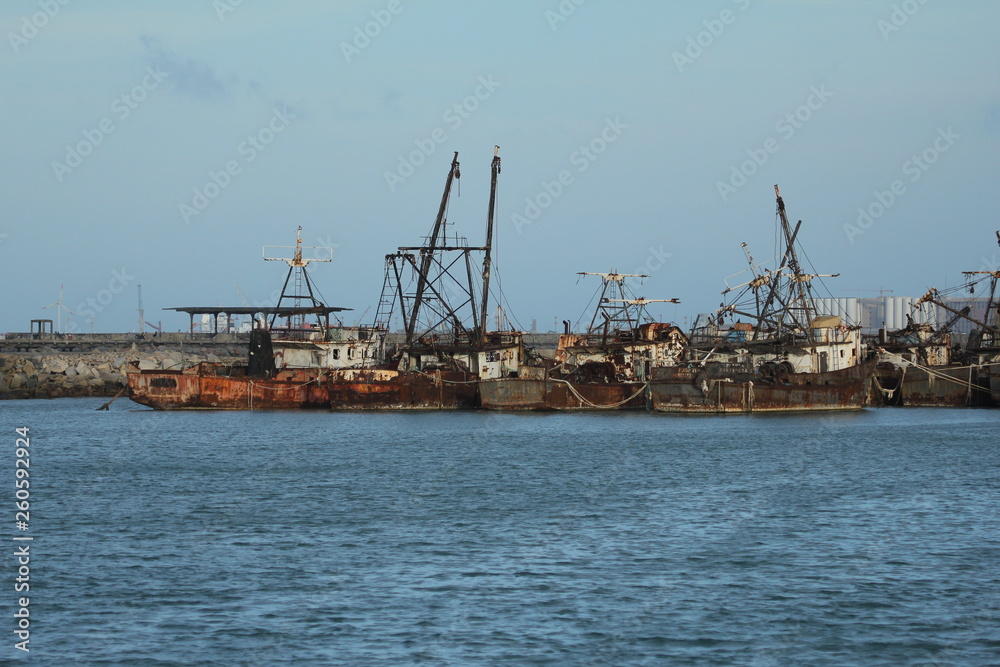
(538, 394)
(372, 389)
(943, 386)
(697, 390)
(220, 387)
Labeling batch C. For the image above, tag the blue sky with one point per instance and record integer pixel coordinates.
(667, 124)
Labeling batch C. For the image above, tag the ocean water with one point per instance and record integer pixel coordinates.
(465, 538)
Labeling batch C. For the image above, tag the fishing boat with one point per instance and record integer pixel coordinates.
(289, 360)
(446, 348)
(919, 366)
(779, 355)
(606, 368)
(441, 296)
(974, 380)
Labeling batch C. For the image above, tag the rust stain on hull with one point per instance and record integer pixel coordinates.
(217, 387)
(403, 390)
(209, 386)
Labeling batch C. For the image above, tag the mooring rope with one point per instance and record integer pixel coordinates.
(441, 379)
(583, 399)
(936, 374)
(251, 384)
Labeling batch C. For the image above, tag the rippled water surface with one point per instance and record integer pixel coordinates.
(869, 538)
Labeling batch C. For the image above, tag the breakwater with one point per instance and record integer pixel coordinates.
(54, 366)
(97, 366)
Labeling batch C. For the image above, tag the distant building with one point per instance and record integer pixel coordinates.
(890, 312)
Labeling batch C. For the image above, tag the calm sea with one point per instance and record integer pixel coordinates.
(314, 538)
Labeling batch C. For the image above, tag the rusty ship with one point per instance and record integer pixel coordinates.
(921, 367)
(784, 358)
(435, 289)
(606, 368)
(441, 297)
(289, 360)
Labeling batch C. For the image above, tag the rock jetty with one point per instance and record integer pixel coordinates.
(48, 373)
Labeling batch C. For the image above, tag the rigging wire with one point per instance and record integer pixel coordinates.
(587, 308)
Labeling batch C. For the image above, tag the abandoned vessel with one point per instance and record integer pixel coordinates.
(920, 367)
(288, 363)
(923, 369)
(445, 351)
(607, 368)
(785, 358)
(442, 301)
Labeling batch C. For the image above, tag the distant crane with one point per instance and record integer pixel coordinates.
(246, 303)
(142, 319)
(59, 308)
(881, 291)
(240, 294)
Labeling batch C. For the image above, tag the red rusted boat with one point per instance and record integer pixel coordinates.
(446, 348)
(215, 386)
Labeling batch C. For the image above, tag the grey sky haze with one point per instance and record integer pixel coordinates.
(164, 143)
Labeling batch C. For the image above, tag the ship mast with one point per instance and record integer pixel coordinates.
(430, 248)
(990, 324)
(297, 268)
(788, 305)
(622, 311)
(487, 260)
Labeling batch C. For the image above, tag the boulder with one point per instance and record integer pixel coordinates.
(56, 365)
(17, 381)
(114, 378)
(28, 368)
(147, 365)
